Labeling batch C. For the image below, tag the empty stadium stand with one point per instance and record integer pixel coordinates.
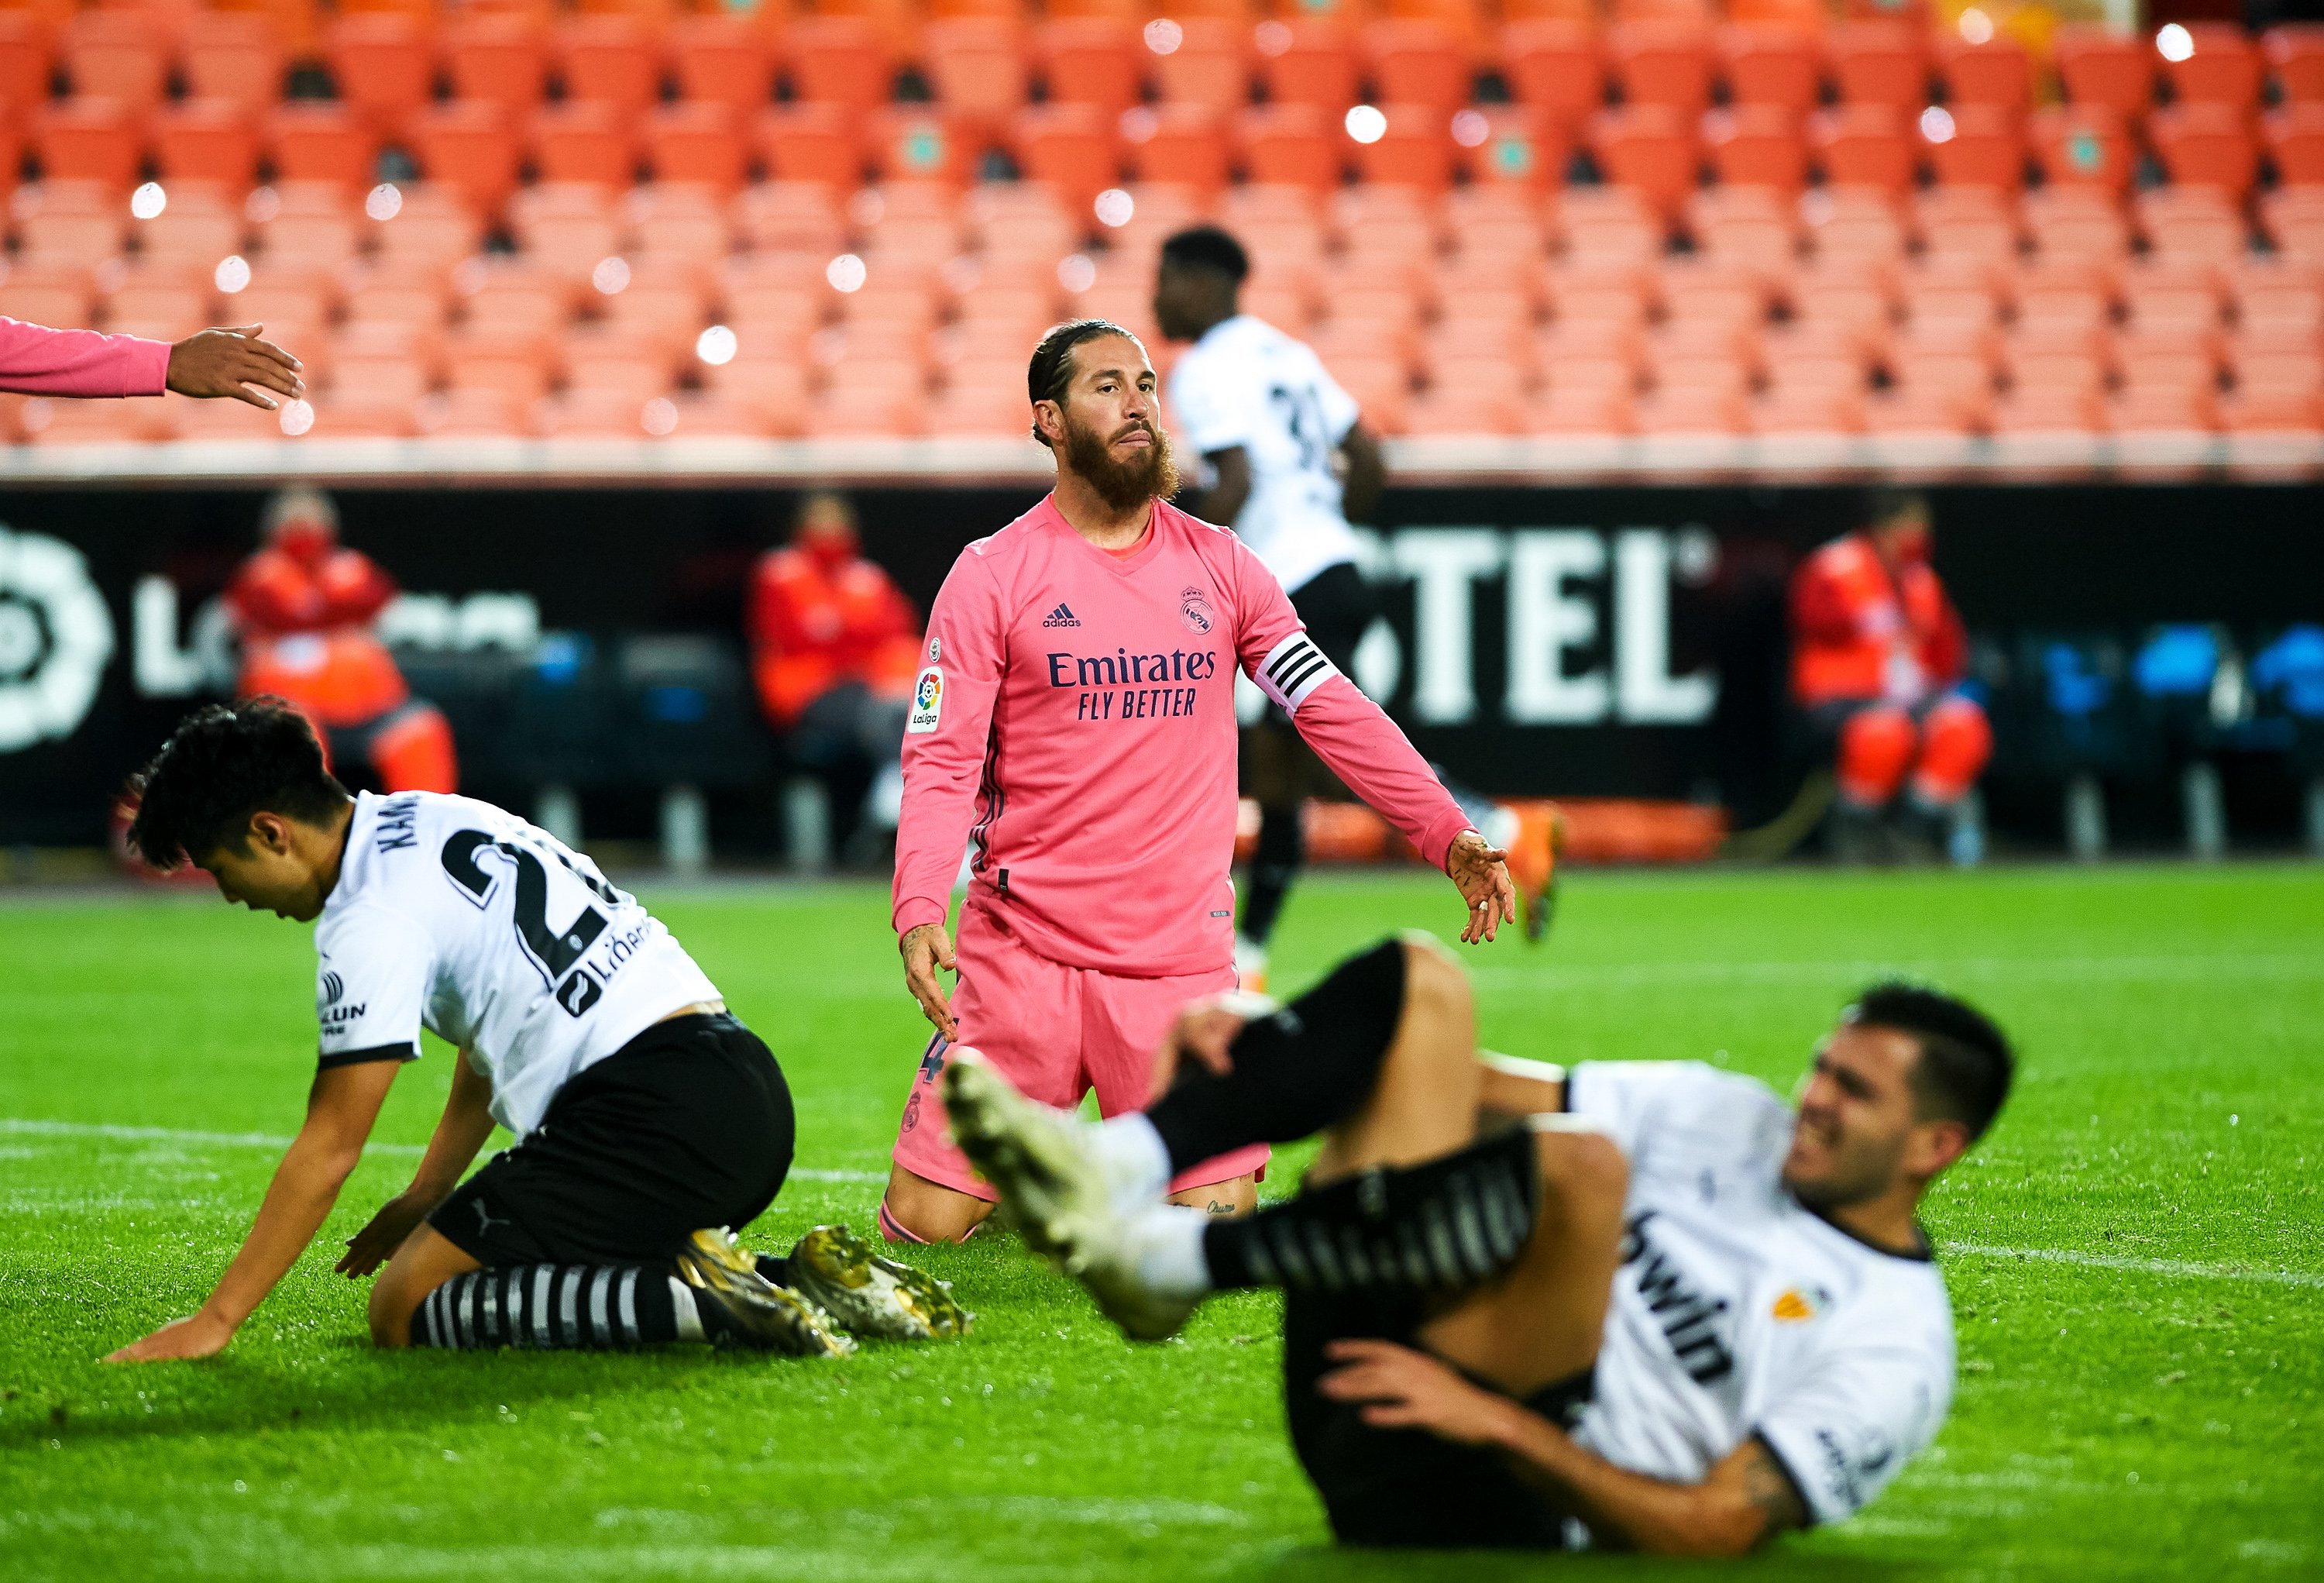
(1536, 218)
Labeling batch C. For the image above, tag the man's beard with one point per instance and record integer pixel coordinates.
(1121, 485)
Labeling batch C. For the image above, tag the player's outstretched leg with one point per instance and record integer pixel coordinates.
(867, 1292)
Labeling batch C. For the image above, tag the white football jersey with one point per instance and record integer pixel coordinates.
(1738, 1311)
(459, 916)
(1247, 384)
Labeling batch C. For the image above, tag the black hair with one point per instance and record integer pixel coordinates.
(1965, 1066)
(1210, 248)
(222, 764)
(1051, 373)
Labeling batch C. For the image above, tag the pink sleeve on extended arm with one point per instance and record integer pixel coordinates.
(1347, 730)
(35, 360)
(945, 739)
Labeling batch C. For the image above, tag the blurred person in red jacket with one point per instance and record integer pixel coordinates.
(1879, 654)
(835, 646)
(304, 607)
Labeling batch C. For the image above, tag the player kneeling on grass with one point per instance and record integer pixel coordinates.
(1639, 1305)
(647, 1116)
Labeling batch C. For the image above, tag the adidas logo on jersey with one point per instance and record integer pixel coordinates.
(1060, 616)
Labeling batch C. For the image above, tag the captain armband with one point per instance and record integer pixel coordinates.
(1293, 670)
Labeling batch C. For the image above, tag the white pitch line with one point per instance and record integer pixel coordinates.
(129, 1134)
(2183, 1268)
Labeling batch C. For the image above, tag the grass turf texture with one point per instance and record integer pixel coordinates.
(2115, 1418)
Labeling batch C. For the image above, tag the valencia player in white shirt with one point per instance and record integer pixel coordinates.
(1289, 465)
(647, 1118)
(1637, 1305)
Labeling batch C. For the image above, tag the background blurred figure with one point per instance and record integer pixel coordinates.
(1878, 655)
(304, 607)
(835, 646)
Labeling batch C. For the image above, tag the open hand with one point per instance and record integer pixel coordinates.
(1411, 1390)
(196, 1336)
(229, 362)
(1482, 873)
(1205, 1032)
(925, 948)
(384, 1233)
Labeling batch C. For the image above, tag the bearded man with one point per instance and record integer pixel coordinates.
(1073, 725)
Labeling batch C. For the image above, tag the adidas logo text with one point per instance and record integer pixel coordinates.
(1060, 616)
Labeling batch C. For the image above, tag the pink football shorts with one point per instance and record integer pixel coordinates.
(1057, 1032)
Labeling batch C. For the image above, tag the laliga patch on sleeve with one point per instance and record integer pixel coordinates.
(927, 702)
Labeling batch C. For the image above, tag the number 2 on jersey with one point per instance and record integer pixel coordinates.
(552, 950)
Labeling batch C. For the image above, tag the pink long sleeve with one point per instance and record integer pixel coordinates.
(35, 360)
(947, 739)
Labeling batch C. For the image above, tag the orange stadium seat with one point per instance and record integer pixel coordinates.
(202, 225)
(82, 139)
(817, 142)
(1071, 148)
(235, 55)
(205, 140)
(584, 140)
(117, 55)
(58, 294)
(1746, 227)
(1566, 411)
(566, 224)
(2224, 70)
(2293, 219)
(697, 142)
(2278, 303)
(1879, 64)
(310, 140)
(722, 59)
(2294, 51)
(925, 143)
(2295, 143)
(1475, 396)
(2192, 223)
(1512, 144)
(1862, 145)
(977, 66)
(2082, 146)
(1555, 67)
(1662, 63)
(384, 65)
(1692, 411)
(679, 219)
(1771, 64)
(496, 58)
(1791, 410)
(168, 293)
(1651, 149)
(611, 59)
(1418, 61)
(1998, 72)
(432, 226)
(2105, 70)
(838, 60)
(27, 58)
(1183, 143)
(1976, 227)
(1416, 149)
(1974, 145)
(1310, 60)
(1290, 144)
(2068, 221)
(1090, 61)
(1757, 145)
(478, 411)
(305, 225)
(2204, 143)
(1863, 223)
(467, 145)
(1203, 60)
(1616, 229)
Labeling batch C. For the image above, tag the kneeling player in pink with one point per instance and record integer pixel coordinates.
(1072, 725)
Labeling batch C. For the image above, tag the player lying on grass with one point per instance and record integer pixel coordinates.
(1640, 1305)
(647, 1116)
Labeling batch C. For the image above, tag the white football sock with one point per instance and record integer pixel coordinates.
(1164, 1244)
(1135, 1158)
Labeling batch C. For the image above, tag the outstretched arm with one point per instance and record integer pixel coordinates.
(467, 1123)
(1746, 1500)
(340, 1110)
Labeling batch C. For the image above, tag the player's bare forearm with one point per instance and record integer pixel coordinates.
(460, 1133)
(1746, 1501)
(1367, 476)
(1229, 489)
(340, 1110)
(927, 948)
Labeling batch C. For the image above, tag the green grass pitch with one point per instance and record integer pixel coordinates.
(2133, 1255)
